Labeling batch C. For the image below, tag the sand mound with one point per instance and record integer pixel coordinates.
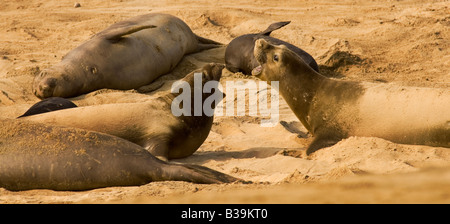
(338, 59)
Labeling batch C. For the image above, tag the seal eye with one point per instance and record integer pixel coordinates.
(275, 57)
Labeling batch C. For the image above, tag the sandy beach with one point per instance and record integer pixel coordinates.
(405, 43)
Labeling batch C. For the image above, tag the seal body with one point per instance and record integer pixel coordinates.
(126, 55)
(332, 109)
(239, 52)
(48, 105)
(151, 124)
(41, 156)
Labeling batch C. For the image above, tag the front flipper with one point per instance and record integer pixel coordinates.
(117, 34)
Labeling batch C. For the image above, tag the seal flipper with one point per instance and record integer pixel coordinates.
(158, 148)
(274, 26)
(117, 34)
(205, 44)
(196, 174)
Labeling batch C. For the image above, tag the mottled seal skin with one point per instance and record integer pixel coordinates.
(239, 53)
(150, 124)
(332, 109)
(41, 156)
(126, 55)
(48, 105)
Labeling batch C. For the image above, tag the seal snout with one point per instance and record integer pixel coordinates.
(257, 71)
(260, 43)
(45, 87)
(260, 46)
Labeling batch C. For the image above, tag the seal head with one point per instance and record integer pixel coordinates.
(48, 105)
(239, 53)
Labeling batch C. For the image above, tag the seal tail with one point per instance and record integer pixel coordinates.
(205, 44)
(274, 26)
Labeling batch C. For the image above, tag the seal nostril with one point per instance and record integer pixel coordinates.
(46, 88)
(51, 82)
(259, 43)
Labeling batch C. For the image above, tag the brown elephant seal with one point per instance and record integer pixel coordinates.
(126, 55)
(239, 52)
(48, 105)
(150, 124)
(334, 109)
(41, 156)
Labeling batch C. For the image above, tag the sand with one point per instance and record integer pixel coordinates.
(398, 42)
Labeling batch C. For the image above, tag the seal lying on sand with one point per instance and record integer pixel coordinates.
(332, 110)
(150, 124)
(239, 53)
(40, 156)
(126, 55)
(48, 105)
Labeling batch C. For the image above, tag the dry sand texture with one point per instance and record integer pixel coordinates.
(398, 42)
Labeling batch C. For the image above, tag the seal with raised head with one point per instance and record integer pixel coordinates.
(150, 124)
(126, 55)
(48, 105)
(42, 156)
(333, 109)
(239, 53)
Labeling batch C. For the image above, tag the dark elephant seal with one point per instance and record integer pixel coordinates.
(150, 124)
(126, 55)
(333, 109)
(41, 156)
(48, 105)
(239, 53)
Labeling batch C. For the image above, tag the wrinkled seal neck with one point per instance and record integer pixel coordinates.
(299, 86)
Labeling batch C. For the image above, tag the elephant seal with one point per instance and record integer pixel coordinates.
(126, 55)
(48, 105)
(150, 124)
(42, 156)
(333, 109)
(239, 52)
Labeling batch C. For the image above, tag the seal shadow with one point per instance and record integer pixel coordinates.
(257, 152)
(294, 127)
